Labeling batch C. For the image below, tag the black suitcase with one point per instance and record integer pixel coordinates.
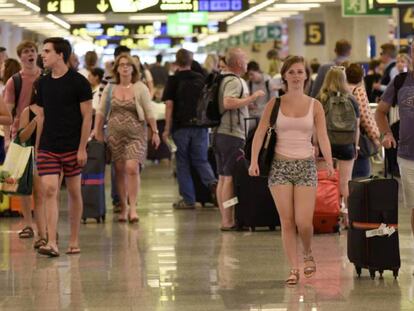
(256, 207)
(372, 202)
(203, 193)
(93, 183)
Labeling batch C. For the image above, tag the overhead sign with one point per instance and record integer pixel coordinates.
(181, 24)
(274, 32)
(406, 22)
(352, 8)
(117, 30)
(314, 33)
(140, 6)
(260, 33)
(211, 28)
(247, 37)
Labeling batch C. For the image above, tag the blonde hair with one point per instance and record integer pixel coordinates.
(211, 62)
(335, 82)
(406, 59)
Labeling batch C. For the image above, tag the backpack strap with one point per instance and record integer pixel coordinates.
(398, 83)
(17, 82)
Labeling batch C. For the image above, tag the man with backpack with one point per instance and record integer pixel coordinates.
(230, 137)
(181, 95)
(260, 81)
(401, 92)
(17, 96)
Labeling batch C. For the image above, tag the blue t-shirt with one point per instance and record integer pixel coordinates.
(405, 101)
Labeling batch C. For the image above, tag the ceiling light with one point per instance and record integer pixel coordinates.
(30, 5)
(250, 11)
(58, 21)
(6, 5)
(308, 1)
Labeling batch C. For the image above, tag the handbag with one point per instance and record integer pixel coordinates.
(366, 147)
(267, 151)
(16, 175)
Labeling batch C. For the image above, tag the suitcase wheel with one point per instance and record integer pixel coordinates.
(395, 273)
(372, 274)
(358, 271)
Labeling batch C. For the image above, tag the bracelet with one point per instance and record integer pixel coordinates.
(155, 131)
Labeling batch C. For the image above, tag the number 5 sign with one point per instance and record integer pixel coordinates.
(315, 34)
(406, 22)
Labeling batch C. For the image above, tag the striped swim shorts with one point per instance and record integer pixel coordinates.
(51, 163)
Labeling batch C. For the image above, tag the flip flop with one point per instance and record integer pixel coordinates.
(26, 233)
(73, 251)
(48, 251)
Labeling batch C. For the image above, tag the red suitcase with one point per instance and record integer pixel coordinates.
(327, 205)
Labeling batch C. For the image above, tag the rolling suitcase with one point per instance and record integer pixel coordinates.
(93, 183)
(327, 205)
(373, 202)
(255, 207)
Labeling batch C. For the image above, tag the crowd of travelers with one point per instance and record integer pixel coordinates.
(59, 107)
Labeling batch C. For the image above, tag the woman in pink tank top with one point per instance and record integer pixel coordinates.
(293, 179)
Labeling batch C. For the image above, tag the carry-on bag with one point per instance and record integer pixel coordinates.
(93, 183)
(255, 207)
(327, 205)
(373, 241)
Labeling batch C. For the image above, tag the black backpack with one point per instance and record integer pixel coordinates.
(208, 110)
(17, 82)
(188, 91)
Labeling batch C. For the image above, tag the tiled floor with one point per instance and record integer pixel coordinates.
(179, 260)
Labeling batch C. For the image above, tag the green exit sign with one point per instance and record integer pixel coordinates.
(352, 8)
(181, 24)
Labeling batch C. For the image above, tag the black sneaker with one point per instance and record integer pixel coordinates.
(183, 205)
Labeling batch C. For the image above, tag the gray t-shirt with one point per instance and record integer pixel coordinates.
(232, 121)
(257, 107)
(405, 100)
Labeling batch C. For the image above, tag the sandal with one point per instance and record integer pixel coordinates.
(39, 243)
(48, 251)
(293, 278)
(26, 233)
(310, 266)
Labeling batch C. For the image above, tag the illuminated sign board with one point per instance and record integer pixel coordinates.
(117, 30)
(211, 28)
(181, 24)
(140, 6)
(141, 44)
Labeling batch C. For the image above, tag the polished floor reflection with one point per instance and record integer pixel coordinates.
(179, 260)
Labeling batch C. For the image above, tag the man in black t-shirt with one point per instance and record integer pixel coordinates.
(66, 99)
(180, 95)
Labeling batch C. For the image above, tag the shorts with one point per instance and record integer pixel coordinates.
(407, 181)
(343, 152)
(51, 163)
(293, 172)
(227, 150)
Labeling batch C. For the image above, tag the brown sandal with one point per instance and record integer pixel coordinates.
(310, 266)
(26, 233)
(293, 278)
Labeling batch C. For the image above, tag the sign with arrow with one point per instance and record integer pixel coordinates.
(140, 6)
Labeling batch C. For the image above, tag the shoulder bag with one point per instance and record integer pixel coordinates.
(267, 151)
